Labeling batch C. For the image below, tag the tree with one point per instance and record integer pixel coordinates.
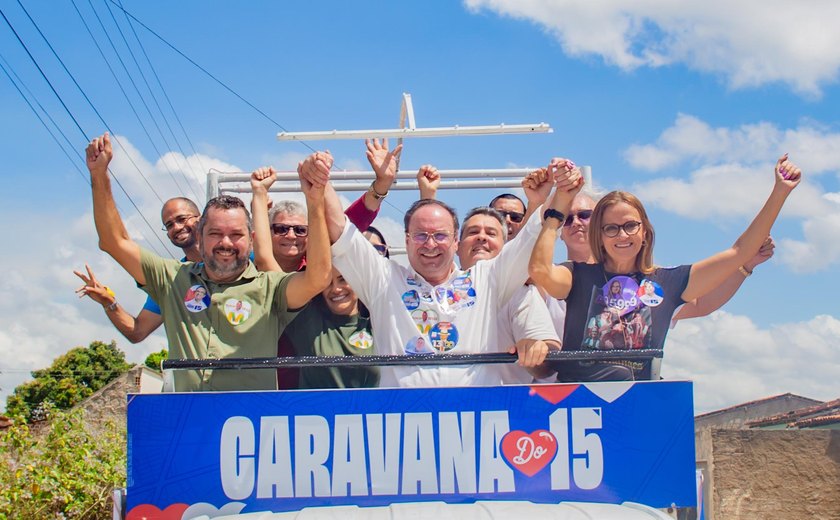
(153, 360)
(71, 378)
(67, 470)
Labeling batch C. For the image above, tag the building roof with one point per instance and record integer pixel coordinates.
(750, 404)
(808, 417)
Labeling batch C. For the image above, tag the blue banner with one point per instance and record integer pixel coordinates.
(242, 452)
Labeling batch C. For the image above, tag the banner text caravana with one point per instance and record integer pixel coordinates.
(281, 451)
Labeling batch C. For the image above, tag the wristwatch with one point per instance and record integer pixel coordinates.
(553, 213)
(374, 194)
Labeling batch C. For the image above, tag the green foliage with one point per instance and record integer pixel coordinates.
(67, 470)
(71, 378)
(153, 360)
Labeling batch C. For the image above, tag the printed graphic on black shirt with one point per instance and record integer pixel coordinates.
(617, 319)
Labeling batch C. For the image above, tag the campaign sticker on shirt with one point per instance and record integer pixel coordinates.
(620, 293)
(444, 336)
(650, 293)
(440, 293)
(411, 281)
(462, 283)
(411, 300)
(361, 339)
(196, 299)
(237, 311)
(424, 318)
(426, 296)
(419, 345)
(452, 297)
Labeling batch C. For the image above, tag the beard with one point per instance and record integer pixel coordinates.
(225, 270)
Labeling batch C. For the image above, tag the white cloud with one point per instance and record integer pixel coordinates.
(749, 43)
(731, 176)
(820, 248)
(692, 140)
(729, 190)
(731, 360)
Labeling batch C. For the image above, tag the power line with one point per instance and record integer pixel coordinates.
(72, 117)
(90, 103)
(152, 94)
(165, 95)
(217, 80)
(73, 161)
(214, 78)
(119, 84)
(205, 71)
(92, 106)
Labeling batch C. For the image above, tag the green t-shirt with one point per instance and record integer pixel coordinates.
(316, 331)
(240, 319)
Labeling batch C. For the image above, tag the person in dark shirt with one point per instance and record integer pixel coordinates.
(621, 240)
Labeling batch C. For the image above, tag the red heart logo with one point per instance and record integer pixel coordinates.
(529, 453)
(150, 512)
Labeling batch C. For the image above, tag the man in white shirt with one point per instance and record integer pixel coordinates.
(461, 307)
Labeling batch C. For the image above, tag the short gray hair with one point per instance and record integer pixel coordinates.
(286, 206)
(490, 212)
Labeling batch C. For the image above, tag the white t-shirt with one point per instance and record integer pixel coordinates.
(524, 316)
(458, 316)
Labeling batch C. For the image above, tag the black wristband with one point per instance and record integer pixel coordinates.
(553, 213)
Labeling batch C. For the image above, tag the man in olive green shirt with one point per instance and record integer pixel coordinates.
(222, 306)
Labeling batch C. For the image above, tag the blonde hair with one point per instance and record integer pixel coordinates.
(644, 260)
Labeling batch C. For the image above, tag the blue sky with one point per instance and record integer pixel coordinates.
(686, 105)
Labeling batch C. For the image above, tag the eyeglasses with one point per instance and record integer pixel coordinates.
(283, 229)
(583, 215)
(631, 227)
(180, 220)
(439, 237)
(514, 216)
(380, 248)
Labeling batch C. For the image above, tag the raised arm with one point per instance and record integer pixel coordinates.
(113, 238)
(135, 329)
(428, 180)
(261, 181)
(721, 294)
(315, 169)
(385, 164)
(711, 272)
(363, 211)
(303, 286)
(554, 279)
(536, 197)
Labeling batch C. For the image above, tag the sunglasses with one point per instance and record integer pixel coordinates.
(180, 220)
(631, 227)
(380, 248)
(439, 237)
(514, 216)
(583, 215)
(283, 229)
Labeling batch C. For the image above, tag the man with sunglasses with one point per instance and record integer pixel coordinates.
(513, 209)
(431, 302)
(180, 217)
(287, 218)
